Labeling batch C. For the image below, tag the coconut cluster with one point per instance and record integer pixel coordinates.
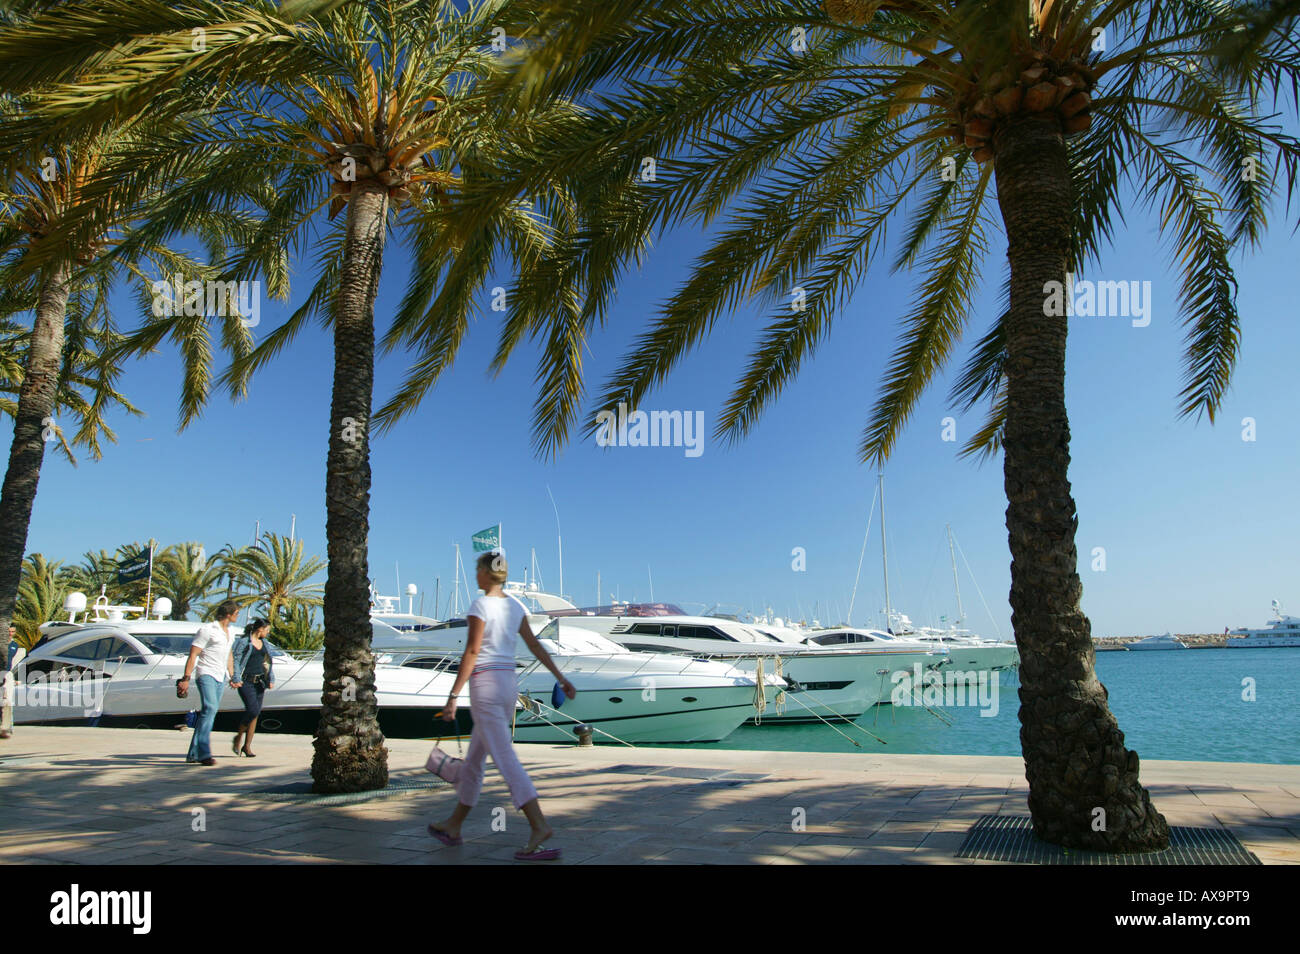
(859, 12)
(1040, 86)
(852, 12)
(369, 163)
(37, 221)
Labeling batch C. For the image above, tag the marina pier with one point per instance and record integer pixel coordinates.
(119, 797)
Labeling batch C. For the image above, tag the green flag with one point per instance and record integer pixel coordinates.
(489, 539)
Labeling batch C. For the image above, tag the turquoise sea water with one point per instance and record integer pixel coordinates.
(1171, 705)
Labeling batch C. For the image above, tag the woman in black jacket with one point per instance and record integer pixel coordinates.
(253, 676)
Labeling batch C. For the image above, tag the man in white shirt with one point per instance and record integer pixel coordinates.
(210, 659)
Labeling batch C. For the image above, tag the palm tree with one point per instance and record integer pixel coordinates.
(87, 383)
(297, 630)
(95, 574)
(40, 598)
(185, 576)
(227, 561)
(803, 132)
(277, 576)
(370, 109)
(61, 261)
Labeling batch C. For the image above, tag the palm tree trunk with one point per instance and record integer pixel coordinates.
(36, 403)
(1075, 759)
(350, 752)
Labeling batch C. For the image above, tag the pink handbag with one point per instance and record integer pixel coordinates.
(444, 764)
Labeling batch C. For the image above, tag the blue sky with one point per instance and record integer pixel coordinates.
(1198, 525)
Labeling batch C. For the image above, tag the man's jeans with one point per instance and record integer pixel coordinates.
(210, 698)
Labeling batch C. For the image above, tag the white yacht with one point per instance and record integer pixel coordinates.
(966, 651)
(111, 670)
(624, 696)
(388, 610)
(1167, 641)
(1281, 632)
(855, 636)
(788, 631)
(835, 683)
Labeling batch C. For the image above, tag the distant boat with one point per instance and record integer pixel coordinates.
(1167, 641)
(1281, 631)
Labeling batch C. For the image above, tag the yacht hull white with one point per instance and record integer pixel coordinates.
(57, 685)
(828, 684)
(624, 696)
(1282, 632)
(687, 713)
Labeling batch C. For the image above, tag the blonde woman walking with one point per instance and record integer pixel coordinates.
(488, 665)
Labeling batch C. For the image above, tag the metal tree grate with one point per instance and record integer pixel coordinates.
(1011, 838)
(300, 793)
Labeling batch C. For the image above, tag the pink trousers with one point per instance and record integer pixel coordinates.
(492, 696)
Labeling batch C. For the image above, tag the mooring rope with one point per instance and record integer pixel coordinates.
(529, 703)
(937, 713)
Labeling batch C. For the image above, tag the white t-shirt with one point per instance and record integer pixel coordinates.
(501, 616)
(215, 646)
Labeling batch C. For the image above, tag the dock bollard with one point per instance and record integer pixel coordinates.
(583, 732)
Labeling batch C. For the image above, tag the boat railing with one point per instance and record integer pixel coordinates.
(101, 666)
(121, 661)
(635, 663)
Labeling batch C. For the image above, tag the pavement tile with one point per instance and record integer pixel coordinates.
(135, 806)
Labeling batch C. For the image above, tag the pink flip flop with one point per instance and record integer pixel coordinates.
(451, 841)
(538, 854)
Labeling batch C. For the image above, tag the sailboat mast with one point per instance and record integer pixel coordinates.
(961, 613)
(455, 611)
(884, 559)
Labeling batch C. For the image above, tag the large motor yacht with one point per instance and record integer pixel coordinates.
(831, 683)
(108, 669)
(623, 696)
(966, 651)
(1167, 641)
(1281, 632)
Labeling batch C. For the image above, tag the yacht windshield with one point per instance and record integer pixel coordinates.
(178, 644)
(163, 643)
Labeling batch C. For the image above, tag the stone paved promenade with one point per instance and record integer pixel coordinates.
(126, 796)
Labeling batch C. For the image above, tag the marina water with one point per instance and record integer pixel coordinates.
(1190, 705)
